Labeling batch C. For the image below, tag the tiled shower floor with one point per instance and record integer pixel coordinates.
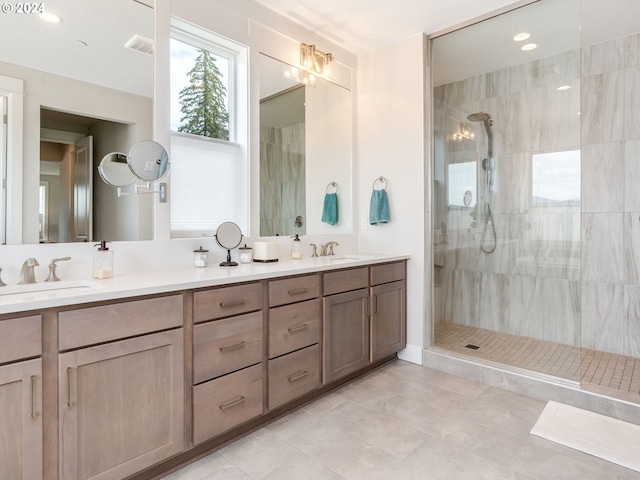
(593, 369)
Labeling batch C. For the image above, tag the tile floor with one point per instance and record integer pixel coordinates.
(608, 370)
(405, 422)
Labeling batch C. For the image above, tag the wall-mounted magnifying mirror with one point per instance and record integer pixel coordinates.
(148, 160)
(115, 171)
(228, 236)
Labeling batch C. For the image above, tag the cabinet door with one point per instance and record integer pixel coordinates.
(388, 319)
(121, 406)
(345, 334)
(21, 420)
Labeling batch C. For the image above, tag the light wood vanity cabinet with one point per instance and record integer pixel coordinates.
(345, 322)
(21, 398)
(364, 317)
(294, 336)
(121, 403)
(388, 309)
(227, 358)
(112, 404)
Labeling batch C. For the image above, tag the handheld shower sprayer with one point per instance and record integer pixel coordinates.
(488, 166)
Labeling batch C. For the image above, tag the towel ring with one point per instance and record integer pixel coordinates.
(382, 180)
(334, 185)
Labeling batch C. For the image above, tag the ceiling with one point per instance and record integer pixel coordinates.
(87, 45)
(363, 26)
(359, 26)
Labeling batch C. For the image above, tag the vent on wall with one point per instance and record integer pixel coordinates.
(140, 44)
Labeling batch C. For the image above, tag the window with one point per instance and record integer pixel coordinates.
(556, 179)
(209, 131)
(463, 186)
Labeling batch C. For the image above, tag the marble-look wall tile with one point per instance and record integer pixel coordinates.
(465, 298)
(602, 112)
(549, 245)
(632, 248)
(632, 50)
(560, 122)
(631, 344)
(493, 298)
(632, 176)
(603, 316)
(603, 177)
(632, 103)
(544, 308)
(603, 57)
(602, 247)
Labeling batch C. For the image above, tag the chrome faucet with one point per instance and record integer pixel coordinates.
(27, 274)
(52, 269)
(327, 248)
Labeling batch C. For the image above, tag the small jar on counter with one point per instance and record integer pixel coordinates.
(200, 257)
(246, 254)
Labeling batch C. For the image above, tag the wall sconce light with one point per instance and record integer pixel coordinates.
(300, 76)
(465, 132)
(313, 60)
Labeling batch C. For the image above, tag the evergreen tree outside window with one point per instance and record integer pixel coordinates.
(199, 91)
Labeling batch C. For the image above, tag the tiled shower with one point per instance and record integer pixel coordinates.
(565, 202)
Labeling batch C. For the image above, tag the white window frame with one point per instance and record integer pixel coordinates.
(237, 90)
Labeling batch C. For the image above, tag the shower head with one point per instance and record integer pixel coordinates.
(479, 117)
(486, 119)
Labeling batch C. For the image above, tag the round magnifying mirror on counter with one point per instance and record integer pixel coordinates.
(228, 236)
(115, 171)
(148, 160)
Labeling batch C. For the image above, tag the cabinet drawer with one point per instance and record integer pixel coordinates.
(228, 401)
(292, 290)
(293, 327)
(345, 280)
(226, 301)
(388, 272)
(227, 345)
(20, 338)
(293, 375)
(89, 326)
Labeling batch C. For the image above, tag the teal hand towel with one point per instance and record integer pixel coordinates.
(379, 207)
(330, 209)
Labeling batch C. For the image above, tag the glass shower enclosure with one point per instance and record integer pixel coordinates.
(507, 189)
(536, 204)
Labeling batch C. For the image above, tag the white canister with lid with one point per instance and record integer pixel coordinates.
(200, 257)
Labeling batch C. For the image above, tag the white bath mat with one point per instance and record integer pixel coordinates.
(604, 437)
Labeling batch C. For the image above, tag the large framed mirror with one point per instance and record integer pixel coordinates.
(88, 84)
(305, 145)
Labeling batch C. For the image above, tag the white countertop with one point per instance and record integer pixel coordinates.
(23, 298)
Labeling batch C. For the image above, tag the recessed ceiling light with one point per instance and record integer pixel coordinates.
(564, 87)
(529, 46)
(521, 36)
(50, 17)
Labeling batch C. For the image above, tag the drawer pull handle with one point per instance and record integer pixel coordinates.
(232, 403)
(235, 346)
(297, 328)
(297, 291)
(233, 303)
(298, 376)
(33, 396)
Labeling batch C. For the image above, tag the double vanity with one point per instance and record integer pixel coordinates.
(135, 375)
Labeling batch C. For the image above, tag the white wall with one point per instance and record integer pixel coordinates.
(391, 143)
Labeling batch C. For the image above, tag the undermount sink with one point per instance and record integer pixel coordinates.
(68, 286)
(344, 258)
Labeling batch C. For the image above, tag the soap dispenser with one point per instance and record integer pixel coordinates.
(296, 247)
(102, 261)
